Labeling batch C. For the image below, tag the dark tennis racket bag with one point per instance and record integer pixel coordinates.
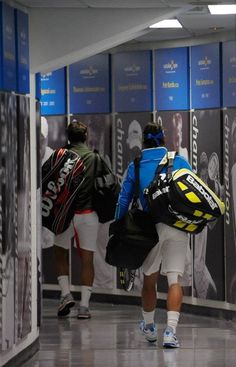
(181, 199)
(106, 192)
(62, 176)
(131, 239)
(133, 236)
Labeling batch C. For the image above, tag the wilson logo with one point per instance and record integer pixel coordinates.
(54, 188)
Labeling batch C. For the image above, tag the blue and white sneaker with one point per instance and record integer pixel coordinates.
(149, 331)
(169, 339)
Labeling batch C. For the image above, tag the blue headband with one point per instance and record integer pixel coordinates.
(156, 137)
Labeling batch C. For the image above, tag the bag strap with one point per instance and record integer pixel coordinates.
(98, 158)
(103, 166)
(95, 164)
(170, 158)
(167, 161)
(136, 182)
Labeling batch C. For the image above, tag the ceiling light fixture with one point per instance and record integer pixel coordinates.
(167, 23)
(222, 9)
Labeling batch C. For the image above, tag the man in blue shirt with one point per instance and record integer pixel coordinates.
(168, 256)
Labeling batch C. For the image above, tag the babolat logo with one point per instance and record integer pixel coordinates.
(201, 189)
(159, 192)
(170, 65)
(54, 188)
(204, 62)
(90, 71)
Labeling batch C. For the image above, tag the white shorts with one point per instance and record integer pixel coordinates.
(86, 226)
(169, 253)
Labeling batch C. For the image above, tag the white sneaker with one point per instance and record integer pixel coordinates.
(169, 339)
(149, 331)
(83, 313)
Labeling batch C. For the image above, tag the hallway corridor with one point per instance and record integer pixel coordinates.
(112, 339)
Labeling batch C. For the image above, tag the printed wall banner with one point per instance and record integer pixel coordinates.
(22, 51)
(176, 125)
(7, 49)
(229, 73)
(132, 73)
(9, 253)
(90, 85)
(39, 219)
(1, 243)
(53, 93)
(205, 76)
(229, 134)
(208, 270)
(172, 78)
(127, 138)
(24, 276)
(99, 138)
(57, 136)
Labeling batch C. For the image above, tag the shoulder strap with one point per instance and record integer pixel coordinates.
(167, 161)
(170, 164)
(103, 166)
(136, 183)
(97, 157)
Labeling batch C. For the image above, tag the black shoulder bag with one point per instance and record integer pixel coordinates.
(133, 236)
(106, 191)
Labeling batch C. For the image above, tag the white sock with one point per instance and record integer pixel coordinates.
(148, 317)
(63, 281)
(173, 319)
(85, 295)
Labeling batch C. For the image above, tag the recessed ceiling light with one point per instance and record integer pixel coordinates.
(222, 9)
(167, 23)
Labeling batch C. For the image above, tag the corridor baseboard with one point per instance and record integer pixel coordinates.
(134, 300)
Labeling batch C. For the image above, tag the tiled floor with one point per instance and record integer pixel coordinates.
(112, 339)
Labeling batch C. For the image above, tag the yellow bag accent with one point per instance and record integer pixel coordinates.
(207, 216)
(192, 197)
(191, 227)
(182, 171)
(179, 224)
(198, 213)
(182, 186)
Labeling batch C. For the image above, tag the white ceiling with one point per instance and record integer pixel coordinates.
(193, 15)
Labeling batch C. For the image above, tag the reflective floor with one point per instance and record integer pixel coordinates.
(112, 339)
